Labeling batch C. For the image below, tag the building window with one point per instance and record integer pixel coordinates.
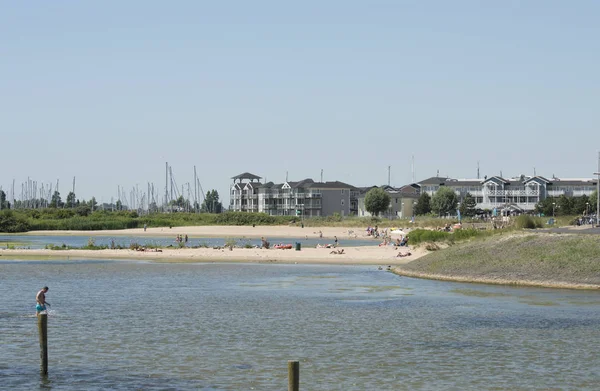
(342, 201)
(343, 191)
(396, 200)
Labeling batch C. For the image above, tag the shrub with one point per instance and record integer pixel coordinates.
(11, 222)
(425, 235)
(528, 222)
(462, 234)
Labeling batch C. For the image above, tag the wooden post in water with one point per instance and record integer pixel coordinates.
(293, 375)
(43, 331)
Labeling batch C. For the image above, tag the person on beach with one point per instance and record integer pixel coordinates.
(335, 242)
(264, 243)
(40, 299)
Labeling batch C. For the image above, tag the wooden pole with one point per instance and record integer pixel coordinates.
(43, 331)
(293, 375)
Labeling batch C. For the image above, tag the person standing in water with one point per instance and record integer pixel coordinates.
(40, 299)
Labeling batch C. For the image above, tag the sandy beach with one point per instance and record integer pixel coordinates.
(366, 255)
(374, 255)
(208, 231)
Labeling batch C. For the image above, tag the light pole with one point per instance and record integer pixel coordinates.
(587, 208)
(553, 208)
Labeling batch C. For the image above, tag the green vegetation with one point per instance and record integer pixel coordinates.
(377, 201)
(567, 206)
(12, 222)
(423, 206)
(81, 218)
(426, 235)
(444, 201)
(529, 222)
(468, 206)
(536, 257)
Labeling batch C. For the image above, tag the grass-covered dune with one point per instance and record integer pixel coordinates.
(552, 260)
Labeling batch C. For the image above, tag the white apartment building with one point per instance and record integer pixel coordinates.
(518, 194)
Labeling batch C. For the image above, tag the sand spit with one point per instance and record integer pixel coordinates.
(365, 255)
(211, 231)
(497, 281)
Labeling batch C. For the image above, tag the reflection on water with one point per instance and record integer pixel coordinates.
(133, 325)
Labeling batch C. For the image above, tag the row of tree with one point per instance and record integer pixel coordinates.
(568, 206)
(445, 202)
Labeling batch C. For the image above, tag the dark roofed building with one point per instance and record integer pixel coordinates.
(246, 175)
(305, 197)
(521, 193)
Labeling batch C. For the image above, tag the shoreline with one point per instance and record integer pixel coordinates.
(364, 255)
(495, 281)
(461, 260)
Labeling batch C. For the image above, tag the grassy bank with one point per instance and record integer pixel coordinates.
(50, 219)
(518, 258)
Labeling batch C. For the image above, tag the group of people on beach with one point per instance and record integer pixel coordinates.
(181, 239)
(373, 231)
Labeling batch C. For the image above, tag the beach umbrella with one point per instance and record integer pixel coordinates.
(397, 232)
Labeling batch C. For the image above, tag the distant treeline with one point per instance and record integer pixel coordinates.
(68, 219)
(51, 219)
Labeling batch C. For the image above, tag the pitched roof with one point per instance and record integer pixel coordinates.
(434, 180)
(332, 185)
(246, 175)
(538, 178)
(573, 182)
(498, 178)
(463, 182)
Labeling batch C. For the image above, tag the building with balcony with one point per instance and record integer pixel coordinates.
(402, 201)
(519, 194)
(303, 198)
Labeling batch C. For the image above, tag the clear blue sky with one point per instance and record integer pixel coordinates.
(107, 91)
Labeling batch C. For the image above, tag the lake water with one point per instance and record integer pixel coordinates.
(152, 326)
(36, 242)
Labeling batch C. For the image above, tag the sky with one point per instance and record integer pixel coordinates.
(108, 91)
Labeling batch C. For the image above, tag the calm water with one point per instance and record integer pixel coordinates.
(30, 241)
(126, 325)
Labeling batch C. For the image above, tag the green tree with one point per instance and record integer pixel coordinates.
(580, 204)
(211, 203)
(181, 203)
(564, 205)
(468, 206)
(11, 222)
(377, 201)
(545, 206)
(153, 208)
(92, 204)
(70, 200)
(3, 200)
(56, 202)
(444, 201)
(594, 201)
(119, 205)
(423, 204)
(83, 210)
